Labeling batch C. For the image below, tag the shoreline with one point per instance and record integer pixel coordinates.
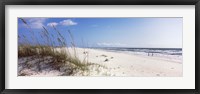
(162, 57)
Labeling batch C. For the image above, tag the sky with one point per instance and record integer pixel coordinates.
(108, 32)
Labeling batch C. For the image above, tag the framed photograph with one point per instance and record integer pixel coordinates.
(127, 46)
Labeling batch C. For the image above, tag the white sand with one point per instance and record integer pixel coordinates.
(131, 65)
(116, 64)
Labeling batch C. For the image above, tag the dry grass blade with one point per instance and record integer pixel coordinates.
(59, 56)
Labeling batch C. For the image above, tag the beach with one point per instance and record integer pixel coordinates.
(144, 50)
(122, 64)
(111, 64)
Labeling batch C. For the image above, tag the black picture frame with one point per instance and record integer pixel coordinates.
(3, 3)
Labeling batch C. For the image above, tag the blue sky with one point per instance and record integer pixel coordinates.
(110, 32)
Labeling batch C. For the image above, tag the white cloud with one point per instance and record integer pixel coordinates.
(36, 23)
(68, 22)
(111, 44)
(52, 24)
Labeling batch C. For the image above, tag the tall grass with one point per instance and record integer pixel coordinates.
(48, 48)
